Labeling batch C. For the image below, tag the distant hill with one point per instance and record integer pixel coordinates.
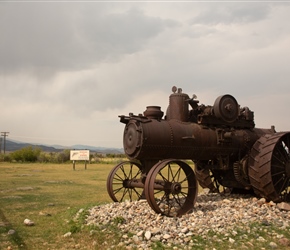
(15, 145)
(101, 150)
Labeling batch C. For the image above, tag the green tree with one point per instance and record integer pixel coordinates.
(63, 156)
(27, 154)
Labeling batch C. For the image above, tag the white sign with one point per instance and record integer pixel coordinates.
(80, 155)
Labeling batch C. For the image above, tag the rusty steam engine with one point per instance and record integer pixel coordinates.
(221, 144)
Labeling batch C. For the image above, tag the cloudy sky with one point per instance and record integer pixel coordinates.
(69, 68)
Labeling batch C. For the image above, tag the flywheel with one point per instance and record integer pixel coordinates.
(226, 108)
(269, 167)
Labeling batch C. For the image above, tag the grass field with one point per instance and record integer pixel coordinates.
(49, 195)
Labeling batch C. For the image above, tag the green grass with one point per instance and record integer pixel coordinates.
(52, 194)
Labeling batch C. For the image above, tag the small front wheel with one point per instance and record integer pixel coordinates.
(119, 182)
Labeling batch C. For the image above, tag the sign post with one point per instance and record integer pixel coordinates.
(79, 155)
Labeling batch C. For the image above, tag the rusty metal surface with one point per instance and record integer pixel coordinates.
(164, 139)
(269, 167)
(227, 149)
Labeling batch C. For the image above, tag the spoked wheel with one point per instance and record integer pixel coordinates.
(124, 182)
(269, 167)
(171, 188)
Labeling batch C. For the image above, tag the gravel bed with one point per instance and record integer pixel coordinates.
(214, 217)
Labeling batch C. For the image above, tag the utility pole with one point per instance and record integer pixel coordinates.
(4, 134)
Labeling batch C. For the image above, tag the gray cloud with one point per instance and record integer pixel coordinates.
(55, 37)
(229, 13)
(68, 67)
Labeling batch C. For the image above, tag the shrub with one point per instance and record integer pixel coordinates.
(5, 157)
(27, 154)
(43, 157)
(63, 156)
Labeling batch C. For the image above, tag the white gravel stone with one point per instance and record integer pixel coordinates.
(68, 234)
(166, 236)
(231, 240)
(147, 235)
(261, 239)
(212, 213)
(273, 245)
(11, 232)
(135, 239)
(28, 222)
(184, 230)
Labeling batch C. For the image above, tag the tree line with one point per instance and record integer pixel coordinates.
(35, 154)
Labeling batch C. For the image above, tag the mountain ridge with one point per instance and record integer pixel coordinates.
(12, 145)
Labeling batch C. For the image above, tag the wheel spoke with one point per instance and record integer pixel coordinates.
(186, 178)
(278, 181)
(137, 193)
(137, 174)
(177, 175)
(171, 173)
(278, 173)
(115, 191)
(124, 193)
(123, 171)
(119, 177)
(189, 199)
(130, 194)
(278, 159)
(281, 151)
(279, 166)
(177, 200)
(130, 173)
(162, 176)
(162, 199)
(283, 185)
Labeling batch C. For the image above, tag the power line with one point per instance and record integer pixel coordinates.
(4, 134)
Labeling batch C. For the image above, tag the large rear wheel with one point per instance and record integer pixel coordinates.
(171, 188)
(269, 167)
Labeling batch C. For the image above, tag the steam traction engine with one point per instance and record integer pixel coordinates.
(227, 150)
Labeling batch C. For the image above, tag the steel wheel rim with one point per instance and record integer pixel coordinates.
(178, 188)
(280, 168)
(117, 178)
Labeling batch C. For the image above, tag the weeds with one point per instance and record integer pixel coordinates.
(118, 220)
